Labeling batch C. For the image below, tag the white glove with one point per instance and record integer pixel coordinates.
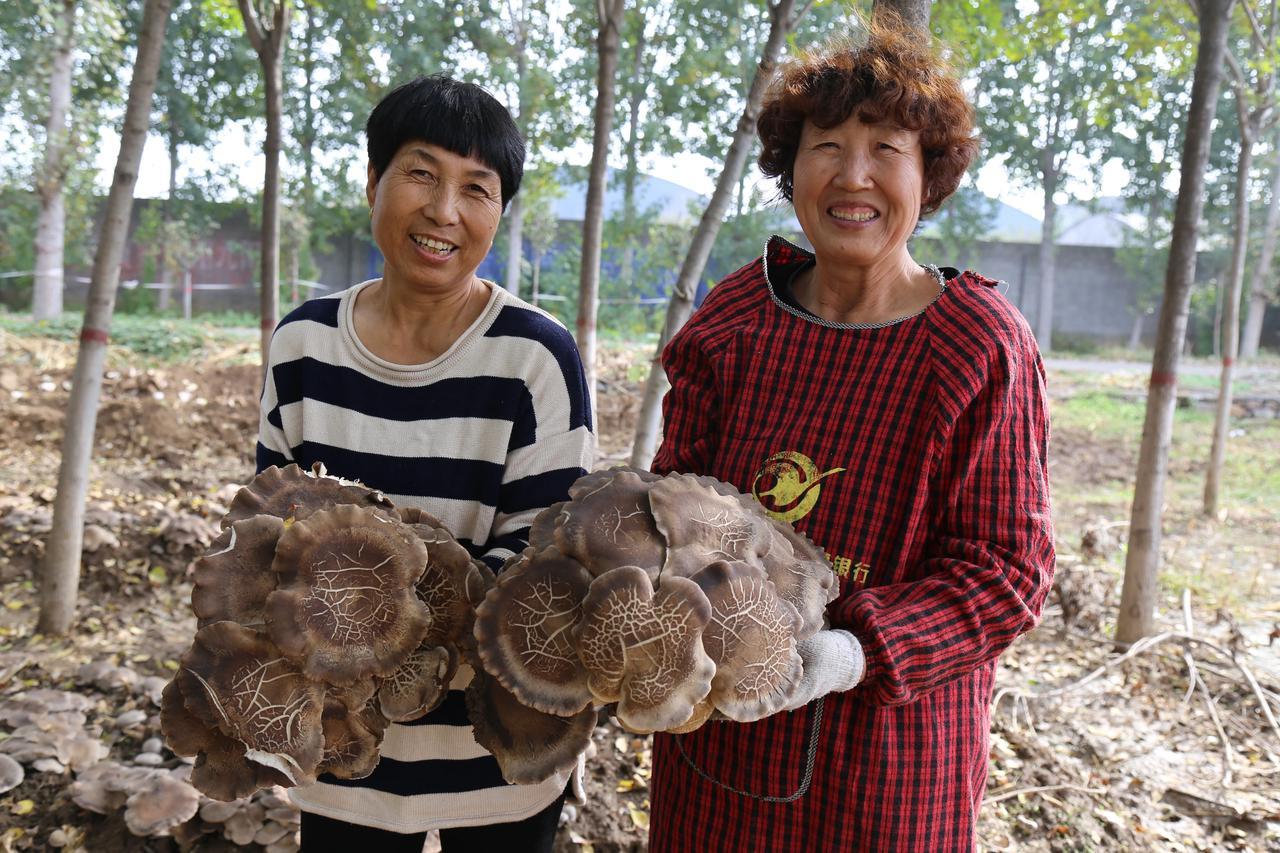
(833, 661)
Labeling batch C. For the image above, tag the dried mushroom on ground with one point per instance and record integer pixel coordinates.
(324, 613)
(674, 597)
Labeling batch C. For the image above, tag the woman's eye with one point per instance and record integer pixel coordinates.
(884, 146)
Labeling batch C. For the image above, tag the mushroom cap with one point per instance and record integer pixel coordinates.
(801, 575)
(447, 586)
(420, 684)
(701, 713)
(608, 523)
(751, 638)
(798, 568)
(702, 525)
(542, 533)
(524, 626)
(221, 770)
(345, 608)
(160, 804)
(238, 680)
(413, 516)
(643, 649)
(11, 773)
(225, 774)
(291, 492)
(530, 746)
(184, 732)
(233, 579)
(104, 787)
(351, 740)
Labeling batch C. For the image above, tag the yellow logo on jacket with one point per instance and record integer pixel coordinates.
(796, 485)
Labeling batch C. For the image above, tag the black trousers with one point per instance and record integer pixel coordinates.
(534, 834)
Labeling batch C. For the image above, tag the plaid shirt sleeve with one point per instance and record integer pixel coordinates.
(691, 409)
(989, 562)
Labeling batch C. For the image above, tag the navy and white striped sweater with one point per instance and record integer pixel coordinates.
(483, 437)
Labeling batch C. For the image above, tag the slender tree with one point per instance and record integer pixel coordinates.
(1254, 86)
(46, 298)
(1142, 560)
(783, 18)
(266, 22)
(609, 18)
(60, 568)
(1261, 291)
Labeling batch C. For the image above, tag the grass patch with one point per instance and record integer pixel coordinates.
(153, 338)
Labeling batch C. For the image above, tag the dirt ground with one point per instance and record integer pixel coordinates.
(1130, 760)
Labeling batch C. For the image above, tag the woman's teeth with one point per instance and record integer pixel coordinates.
(854, 215)
(436, 246)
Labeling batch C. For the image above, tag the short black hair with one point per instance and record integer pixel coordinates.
(459, 117)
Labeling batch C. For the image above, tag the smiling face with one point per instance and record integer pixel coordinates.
(857, 190)
(435, 214)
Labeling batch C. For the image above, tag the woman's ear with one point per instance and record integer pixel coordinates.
(371, 186)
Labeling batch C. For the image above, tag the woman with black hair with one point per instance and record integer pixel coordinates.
(446, 393)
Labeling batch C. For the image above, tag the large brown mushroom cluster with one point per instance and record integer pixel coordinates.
(323, 613)
(669, 598)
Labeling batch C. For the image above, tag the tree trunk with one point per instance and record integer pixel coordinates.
(515, 213)
(269, 44)
(537, 277)
(680, 307)
(515, 243)
(1215, 345)
(1135, 331)
(1048, 248)
(593, 216)
(635, 100)
(162, 263)
(307, 136)
(60, 568)
(1259, 282)
(1142, 561)
(51, 226)
(270, 295)
(1229, 330)
(914, 13)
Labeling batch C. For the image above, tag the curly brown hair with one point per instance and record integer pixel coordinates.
(890, 75)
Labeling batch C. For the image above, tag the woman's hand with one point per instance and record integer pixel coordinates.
(833, 661)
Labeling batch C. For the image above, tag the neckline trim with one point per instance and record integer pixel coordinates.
(932, 269)
(409, 371)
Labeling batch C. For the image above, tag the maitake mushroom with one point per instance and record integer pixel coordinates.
(674, 597)
(323, 612)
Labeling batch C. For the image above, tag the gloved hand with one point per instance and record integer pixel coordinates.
(833, 661)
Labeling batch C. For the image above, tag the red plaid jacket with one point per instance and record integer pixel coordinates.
(915, 455)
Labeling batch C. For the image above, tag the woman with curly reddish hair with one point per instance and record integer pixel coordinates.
(895, 413)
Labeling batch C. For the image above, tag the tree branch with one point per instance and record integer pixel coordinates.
(1006, 795)
(1254, 25)
(252, 26)
(795, 19)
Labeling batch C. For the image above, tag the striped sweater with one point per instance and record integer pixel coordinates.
(483, 437)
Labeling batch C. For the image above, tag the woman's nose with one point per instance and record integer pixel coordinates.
(854, 171)
(442, 205)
